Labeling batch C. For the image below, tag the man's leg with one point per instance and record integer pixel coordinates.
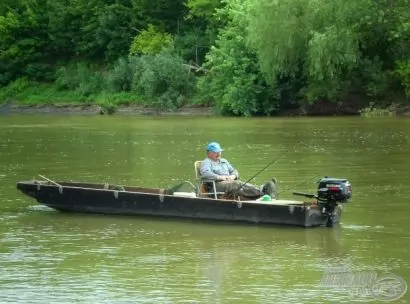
(228, 187)
(251, 191)
(235, 187)
(270, 188)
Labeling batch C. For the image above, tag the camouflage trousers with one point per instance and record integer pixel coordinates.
(231, 187)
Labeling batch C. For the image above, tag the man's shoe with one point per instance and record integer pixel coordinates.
(270, 189)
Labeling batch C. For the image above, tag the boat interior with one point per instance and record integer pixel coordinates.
(193, 192)
(101, 186)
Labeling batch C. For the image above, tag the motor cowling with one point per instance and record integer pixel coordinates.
(334, 190)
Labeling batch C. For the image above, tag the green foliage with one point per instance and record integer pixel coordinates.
(80, 78)
(21, 56)
(106, 103)
(372, 78)
(200, 29)
(193, 45)
(234, 82)
(13, 88)
(307, 50)
(113, 32)
(34, 93)
(333, 47)
(34, 34)
(314, 40)
(120, 77)
(260, 56)
(163, 14)
(278, 34)
(120, 98)
(151, 41)
(93, 29)
(163, 80)
(204, 9)
(374, 111)
(403, 73)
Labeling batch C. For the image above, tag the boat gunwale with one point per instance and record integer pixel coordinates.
(295, 203)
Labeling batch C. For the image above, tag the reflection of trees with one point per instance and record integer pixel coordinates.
(161, 151)
(220, 261)
(265, 259)
(328, 241)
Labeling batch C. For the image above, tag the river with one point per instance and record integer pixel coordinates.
(52, 257)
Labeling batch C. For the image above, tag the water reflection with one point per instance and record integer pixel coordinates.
(211, 258)
(51, 257)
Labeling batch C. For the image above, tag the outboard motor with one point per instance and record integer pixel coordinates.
(334, 189)
(330, 193)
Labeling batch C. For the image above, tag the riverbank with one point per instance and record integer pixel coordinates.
(92, 109)
(318, 109)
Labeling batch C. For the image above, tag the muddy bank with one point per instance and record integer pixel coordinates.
(10, 108)
(92, 109)
(317, 109)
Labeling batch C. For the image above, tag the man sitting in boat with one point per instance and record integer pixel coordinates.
(226, 177)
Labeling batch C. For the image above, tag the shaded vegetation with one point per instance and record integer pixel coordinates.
(249, 57)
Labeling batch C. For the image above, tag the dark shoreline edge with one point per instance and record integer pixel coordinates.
(15, 108)
(138, 110)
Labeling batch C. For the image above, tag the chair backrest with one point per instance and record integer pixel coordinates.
(197, 166)
(202, 184)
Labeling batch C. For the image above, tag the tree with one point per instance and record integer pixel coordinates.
(311, 40)
(204, 8)
(23, 38)
(333, 47)
(162, 79)
(234, 82)
(163, 14)
(151, 41)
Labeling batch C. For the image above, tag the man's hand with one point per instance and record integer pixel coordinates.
(226, 177)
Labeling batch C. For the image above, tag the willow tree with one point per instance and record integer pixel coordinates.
(333, 48)
(315, 41)
(234, 82)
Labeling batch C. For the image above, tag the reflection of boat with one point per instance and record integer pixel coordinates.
(127, 200)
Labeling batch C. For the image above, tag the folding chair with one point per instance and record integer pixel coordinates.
(204, 183)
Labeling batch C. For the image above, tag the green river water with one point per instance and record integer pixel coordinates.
(52, 257)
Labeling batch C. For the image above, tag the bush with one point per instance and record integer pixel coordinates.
(107, 104)
(403, 73)
(234, 82)
(163, 80)
(151, 41)
(80, 78)
(13, 88)
(40, 72)
(373, 111)
(119, 79)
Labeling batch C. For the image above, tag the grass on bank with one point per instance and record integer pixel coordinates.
(377, 111)
(158, 81)
(40, 94)
(27, 93)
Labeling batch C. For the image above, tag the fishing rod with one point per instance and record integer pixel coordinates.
(301, 183)
(260, 171)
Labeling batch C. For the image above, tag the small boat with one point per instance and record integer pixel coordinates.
(323, 208)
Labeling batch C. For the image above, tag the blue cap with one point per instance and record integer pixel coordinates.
(214, 147)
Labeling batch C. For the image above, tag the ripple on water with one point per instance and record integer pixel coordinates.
(362, 227)
(49, 257)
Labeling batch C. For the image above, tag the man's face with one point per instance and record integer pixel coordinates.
(214, 155)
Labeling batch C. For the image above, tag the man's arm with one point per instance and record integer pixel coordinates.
(232, 170)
